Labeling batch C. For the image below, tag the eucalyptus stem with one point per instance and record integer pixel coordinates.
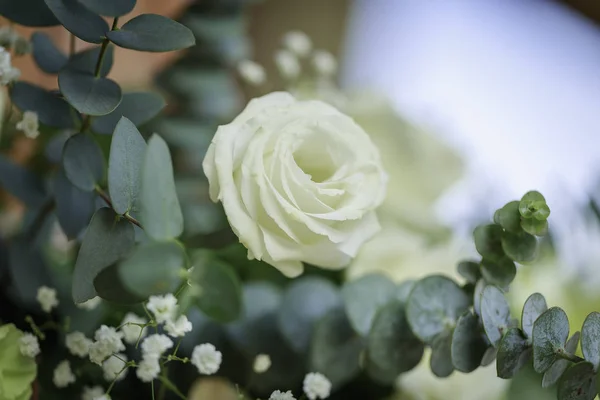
(72, 45)
(569, 357)
(167, 384)
(107, 200)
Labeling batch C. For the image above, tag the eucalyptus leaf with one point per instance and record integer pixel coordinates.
(519, 247)
(49, 58)
(498, 271)
(335, 348)
(125, 163)
(553, 374)
(550, 332)
(495, 314)
(479, 286)
(153, 268)
(50, 108)
(85, 61)
(489, 356)
(403, 290)
(151, 32)
(534, 306)
(529, 199)
(139, 107)
(578, 383)
(22, 183)
(78, 20)
(364, 296)
(488, 241)
(305, 301)
(21, 12)
(468, 346)
(590, 339)
(74, 207)
(109, 287)
(160, 211)
(509, 217)
(28, 271)
(534, 226)
(391, 344)
(109, 8)
(469, 270)
(106, 240)
(435, 303)
(83, 162)
(89, 94)
(441, 355)
(513, 353)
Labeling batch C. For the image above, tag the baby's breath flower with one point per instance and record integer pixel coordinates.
(324, 62)
(29, 345)
(63, 376)
(8, 73)
(103, 397)
(154, 345)
(92, 393)
(99, 351)
(162, 307)
(108, 341)
(316, 386)
(113, 366)
(179, 327)
(279, 395)
(206, 358)
(29, 125)
(252, 72)
(262, 363)
(47, 298)
(78, 344)
(91, 304)
(287, 63)
(148, 369)
(131, 332)
(298, 42)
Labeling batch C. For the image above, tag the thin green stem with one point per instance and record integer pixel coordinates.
(169, 385)
(34, 327)
(112, 384)
(72, 45)
(152, 383)
(107, 200)
(569, 357)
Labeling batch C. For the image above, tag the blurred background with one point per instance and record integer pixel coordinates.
(472, 104)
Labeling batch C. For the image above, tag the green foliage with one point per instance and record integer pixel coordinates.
(468, 346)
(18, 371)
(78, 20)
(22, 13)
(550, 334)
(590, 339)
(138, 107)
(21, 183)
(89, 94)
(499, 271)
(508, 217)
(495, 314)
(51, 109)
(86, 61)
(46, 55)
(109, 8)
(469, 270)
(83, 162)
(553, 374)
(441, 354)
(74, 207)
(578, 383)
(534, 306)
(151, 32)
(514, 351)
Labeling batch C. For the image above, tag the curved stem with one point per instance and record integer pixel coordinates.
(107, 200)
(569, 357)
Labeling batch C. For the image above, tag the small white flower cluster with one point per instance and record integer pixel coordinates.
(8, 73)
(114, 367)
(78, 344)
(252, 72)
(46, 296)
(315, 386)
(29, 345)
(92, 393)
(206, 358)
(29, 125)
(262, 363)
(63, 376)
(152, 349)
(107, 341)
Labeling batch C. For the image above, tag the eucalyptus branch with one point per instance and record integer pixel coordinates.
(108, 202)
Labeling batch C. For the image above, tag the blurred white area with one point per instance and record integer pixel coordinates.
(513, 85)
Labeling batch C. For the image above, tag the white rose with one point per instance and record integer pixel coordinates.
(299, 181)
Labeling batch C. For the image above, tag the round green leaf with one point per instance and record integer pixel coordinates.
(85, 61)
(542, 212)
(489, 356)
(590, 339)
(28, 12)
(160, 211)
(470, 271)
(534, 306)
(125, 161)
(106, 240)
(216, 286)
(74, 207)
(109, 8)
(533, 196)
(553, 374)
(28, 271)
(434, 304)
(109, 287)
(513, 353)
(50, 59)
(495, 314)
(519, 247)
(509, 217)
(138, 107)
(479, 286)
(153, 268)
(364, 296)
(403, 290)
(499, 271)
(305, 301)
(488, 241)
(335, 348)
(441, 355)
(578, 383)
(89, 94)
(50, 108)
(22, 183)
(534, 226)
(78, 20)
(83, 162)
(391, 344)
(151, 32)
(468, 346)
(550, 332)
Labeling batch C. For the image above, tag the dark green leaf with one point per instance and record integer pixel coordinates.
(110, 8)
(153, 268)
(139, 107)
(54, 147)
(83, 162)
(534, 306)
(78, 20)
(217, 287)
(363, 297)
(468, 346)
(509, 217)
(159, 206)
(499, 271)
(28, 12)
(304, 303)
(513, 353)
(335, 348)
(89, 94)
(435, 302)
(550, 332)
(489, 356)
(151, 32)
(46, 55)
(534, 226)
(519, 247)
(85, 61)
(488, 241)
(105, 242)
(441, 355)
(391, 345)
(50, 108)
(495, 314)
(22, 183)
(479, 286)
(125, 162)
(28, 271)
(403, 290)
(109, 287)
(553, 374)
(470, 271)
(578, 383)
(590, 339)
(74, 207)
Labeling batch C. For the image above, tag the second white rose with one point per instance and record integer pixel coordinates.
(299, 182)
